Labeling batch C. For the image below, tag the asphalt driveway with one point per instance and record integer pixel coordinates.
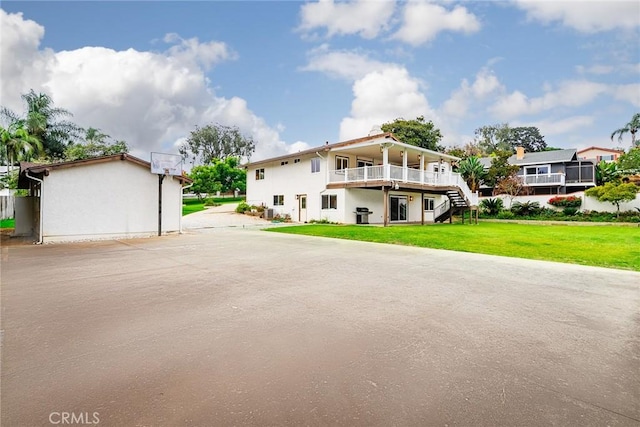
(246, 327)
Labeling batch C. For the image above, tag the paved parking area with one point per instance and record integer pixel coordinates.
(246, 327)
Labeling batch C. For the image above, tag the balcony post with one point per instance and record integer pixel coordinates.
(366, 168)
(385, 163)
(422, 170)
(405, 171)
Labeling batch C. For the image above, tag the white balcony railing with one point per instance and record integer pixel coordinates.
(400, 174)
(548, 179)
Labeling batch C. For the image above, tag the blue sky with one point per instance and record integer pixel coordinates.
(295, 74)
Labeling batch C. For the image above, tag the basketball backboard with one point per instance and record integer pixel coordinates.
(163, 163)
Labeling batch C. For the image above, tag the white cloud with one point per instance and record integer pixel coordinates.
(485, 84)
(423, 20)
(551, 127)
(383, 96)
(350, 65)
(192, 51)
(298, 146)
(362, 17)
(574, 93)
(629, 93)
(148, 99)
(584, 16)
(597, 69)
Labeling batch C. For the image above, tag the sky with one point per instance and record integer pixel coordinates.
(293, 75)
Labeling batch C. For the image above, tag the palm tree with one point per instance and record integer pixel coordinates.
(45, 122)
(631, 127)
(472, 171)
(95, 136)
(18, 144)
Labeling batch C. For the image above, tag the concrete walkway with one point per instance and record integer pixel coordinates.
(246, 327)
(221, 217)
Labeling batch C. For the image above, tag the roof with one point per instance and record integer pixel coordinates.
(539, 157)
(554, 156)
(45, 169)
(610, 150)
(357, 142)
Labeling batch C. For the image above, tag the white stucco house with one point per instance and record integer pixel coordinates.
(100, 198)
(376, 179)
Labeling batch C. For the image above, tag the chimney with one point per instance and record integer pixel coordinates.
(519, 153)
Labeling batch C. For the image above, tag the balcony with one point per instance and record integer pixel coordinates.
(547, 179)
(388, 174)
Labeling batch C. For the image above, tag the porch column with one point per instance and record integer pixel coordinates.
(385, 204)
(422, 170)
(405, 172)
(422, 206)
(385, 163)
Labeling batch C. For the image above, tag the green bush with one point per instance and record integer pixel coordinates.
(565, 202)
(491, 207)
(569, 211)
(506, 215)
(243, 207)
(210, 202)
(525, 208)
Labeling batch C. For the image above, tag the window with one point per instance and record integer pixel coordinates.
(429, 204)
(315, 165)
(296, 160)
(342, 163)
(259, 174)
(329, 201)
(362, 163)
(537, 170)
(286, 162)
(278, 200)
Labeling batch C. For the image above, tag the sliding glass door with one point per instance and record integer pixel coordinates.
(398, 208)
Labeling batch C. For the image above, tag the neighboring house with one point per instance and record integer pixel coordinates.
(104, 197)
(598, 154)
(376, 179)
(550, 172)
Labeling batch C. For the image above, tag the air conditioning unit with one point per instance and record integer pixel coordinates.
(268, 213)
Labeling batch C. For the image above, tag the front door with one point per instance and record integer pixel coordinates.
(398, 208)
(302, 211)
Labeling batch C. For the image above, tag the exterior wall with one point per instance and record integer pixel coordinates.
(25, 209)
(588, 203)
(107, 200)
(374, 200)
(289, 180)
(597, 154)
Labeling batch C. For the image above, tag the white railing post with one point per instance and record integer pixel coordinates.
(366, 168)
(405, 166)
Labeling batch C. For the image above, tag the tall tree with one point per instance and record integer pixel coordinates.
(631, 128)
(18, 144)
(216, 142)
(418, 132)
(528, 137)
(223, 175)
(494, 138)
(472, 171)
(629, 162)
(94, 149)
(46, 122)
(500, 168)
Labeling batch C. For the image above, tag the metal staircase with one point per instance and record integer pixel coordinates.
(456, 202)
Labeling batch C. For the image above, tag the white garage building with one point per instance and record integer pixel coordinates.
(101, 198)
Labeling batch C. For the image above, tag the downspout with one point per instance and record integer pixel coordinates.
(182, 204)
(40, 222)
(326, 181)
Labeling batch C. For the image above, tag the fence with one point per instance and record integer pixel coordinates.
(6, 206)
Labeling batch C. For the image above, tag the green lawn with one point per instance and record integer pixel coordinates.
(603, 246)
(195, 205)
(8, 223)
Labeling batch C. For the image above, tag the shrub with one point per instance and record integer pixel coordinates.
(243, 207)
(491, 206)
(506, 215)
(565, 202)
(569, 211)
(525, 208)
(210, 202)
